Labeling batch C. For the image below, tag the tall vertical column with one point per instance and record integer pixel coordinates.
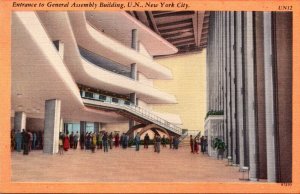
(134, 101)
(250, 107)
(134, 45)
(52, 126)
(283, 51)
(240, 87)
(133, 69)
(134, 39)
(269, 97)
(233, 88)
(20, 121)
(260, 95)
(228, 86)
(82, 127)
(96, 127)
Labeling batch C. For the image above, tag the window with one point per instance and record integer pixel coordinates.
(89, 95)
(102, 97)
(127, 102)
(115, 100)
(89, 127)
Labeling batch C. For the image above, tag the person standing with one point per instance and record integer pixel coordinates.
(192, 144)
(30, 140)
(157, 142)
(72, 140)
(18, 139)
(122, 140)
(196, 145)
(34, 138)
(94, 142)
(146, 140)
(202, 144)
(171, 142)
(26, 143)
(137, 142)
(117, 139)
(110, 140)
(105, 143)
(66, 142)
(88, 140)
(163, 141)
(76, 137)
(154, 143)
(126, 140)
(81, 140)
(100, 140)
(61, 144)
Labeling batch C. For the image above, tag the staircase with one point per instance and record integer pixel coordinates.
(133, 112)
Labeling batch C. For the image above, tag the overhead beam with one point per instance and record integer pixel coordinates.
(142, 17)
(198, 22)
(174, 23)
(190, 26)
(177, 33)
(175, 13)
(185, 41)
(152, 20)
(181, 38)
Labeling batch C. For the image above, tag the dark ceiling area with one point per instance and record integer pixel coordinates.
(187, 30)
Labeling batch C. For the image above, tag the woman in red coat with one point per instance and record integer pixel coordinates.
(196, 145)
(117, 139)
(66, 143)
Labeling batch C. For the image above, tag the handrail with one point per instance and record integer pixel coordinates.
(116, 74)
(87, 60)
(145, 114)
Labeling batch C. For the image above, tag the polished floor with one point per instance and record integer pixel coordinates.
(120, 165)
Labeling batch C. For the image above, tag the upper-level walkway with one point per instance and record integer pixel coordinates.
(119, 165)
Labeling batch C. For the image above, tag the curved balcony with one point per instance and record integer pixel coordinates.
(104, 63)
(87, 73)
(115, 23)
(92, 39)
(101, 78)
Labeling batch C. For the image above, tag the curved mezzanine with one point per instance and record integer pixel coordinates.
(92, 39)
(90, 74)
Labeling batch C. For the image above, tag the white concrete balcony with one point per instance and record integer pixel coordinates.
(59, 27)
(98, 42)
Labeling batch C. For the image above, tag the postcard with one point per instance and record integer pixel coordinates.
(149, 96)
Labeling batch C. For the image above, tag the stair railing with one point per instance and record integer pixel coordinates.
(143, 113)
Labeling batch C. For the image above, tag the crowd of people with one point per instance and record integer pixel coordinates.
(31, 140)
(195, 142)
(26, 140)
